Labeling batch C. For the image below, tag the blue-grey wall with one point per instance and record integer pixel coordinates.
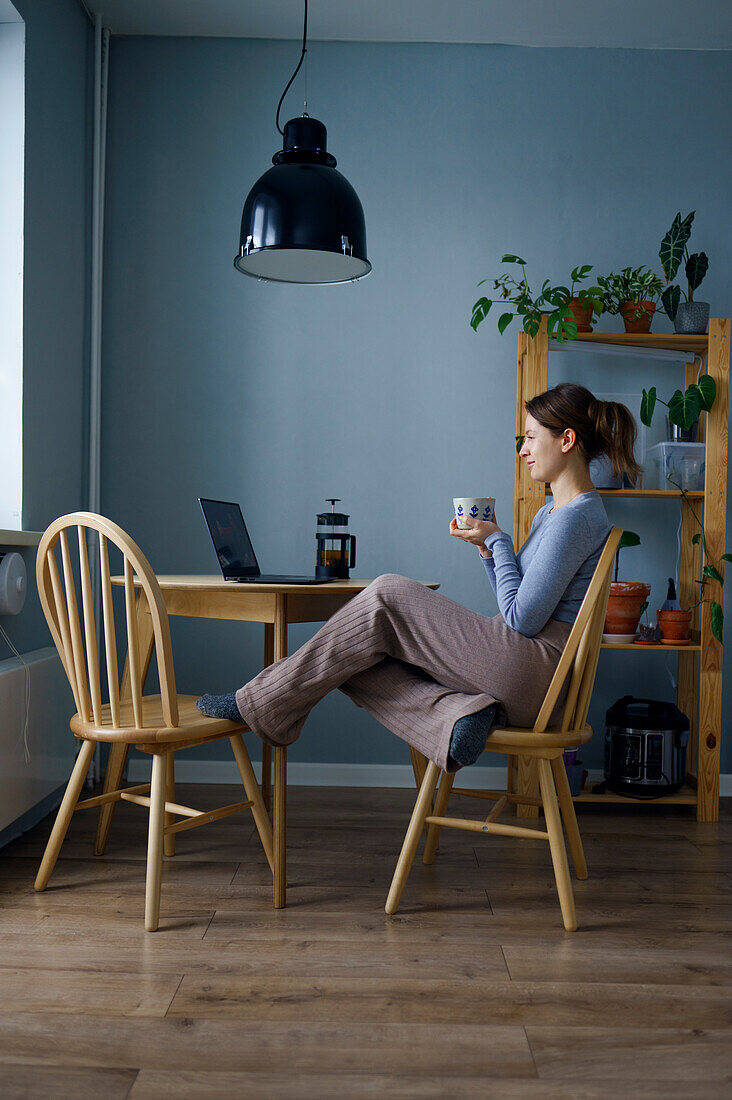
(58, 141)
(378, 392)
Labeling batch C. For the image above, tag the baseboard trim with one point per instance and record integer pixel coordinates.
(344, 775)
(312, 775)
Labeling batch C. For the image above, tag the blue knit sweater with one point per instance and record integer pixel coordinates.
(551, 573)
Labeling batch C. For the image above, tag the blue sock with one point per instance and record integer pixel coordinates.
(220, 706)
(469, 736)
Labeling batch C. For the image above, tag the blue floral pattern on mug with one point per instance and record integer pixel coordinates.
(487, 514)
(460, 511)
(473, 511)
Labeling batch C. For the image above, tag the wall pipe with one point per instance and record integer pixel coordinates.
(99, 161)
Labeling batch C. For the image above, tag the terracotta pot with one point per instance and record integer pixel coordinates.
(582, 316)
(637, 324)
(674, 624)
(624, 606)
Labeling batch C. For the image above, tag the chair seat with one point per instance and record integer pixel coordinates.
(514, 737)
(192, 725)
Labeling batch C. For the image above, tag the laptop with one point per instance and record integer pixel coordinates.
(234, 549)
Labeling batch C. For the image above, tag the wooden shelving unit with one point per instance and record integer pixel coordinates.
(699, 693)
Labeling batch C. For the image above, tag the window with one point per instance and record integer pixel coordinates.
(12, 143)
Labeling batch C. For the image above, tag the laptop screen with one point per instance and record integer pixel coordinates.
(230, 538)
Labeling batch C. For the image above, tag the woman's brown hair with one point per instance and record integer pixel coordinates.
(601, 427)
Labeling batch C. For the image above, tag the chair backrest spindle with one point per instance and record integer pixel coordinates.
(133, 644)
(110, 640)
(77, 643)
(90, 628)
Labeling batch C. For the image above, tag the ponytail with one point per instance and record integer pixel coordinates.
(601, 427)
(616, 430)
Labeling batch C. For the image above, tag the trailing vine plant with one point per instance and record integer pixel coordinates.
(709, 571)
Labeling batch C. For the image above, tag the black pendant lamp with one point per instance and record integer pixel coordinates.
(302, 220)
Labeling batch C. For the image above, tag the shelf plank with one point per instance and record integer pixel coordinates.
(654, 648)
(685, 796)
(670, 341)
(670, 494)
(664, 494)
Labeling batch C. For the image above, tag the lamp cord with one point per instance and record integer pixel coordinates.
(297, 70)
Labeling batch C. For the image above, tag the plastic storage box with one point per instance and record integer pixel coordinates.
(683, 463)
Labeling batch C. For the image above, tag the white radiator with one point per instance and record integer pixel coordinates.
(51, 744)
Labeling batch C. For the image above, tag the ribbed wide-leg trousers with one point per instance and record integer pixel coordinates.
(416, 660)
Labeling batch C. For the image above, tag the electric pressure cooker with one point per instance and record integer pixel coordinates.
(645, 747)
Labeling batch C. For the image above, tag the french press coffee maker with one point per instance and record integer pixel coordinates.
(336, 549)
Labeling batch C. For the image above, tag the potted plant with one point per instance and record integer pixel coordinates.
(586, 301)
(689, 316)
(553, 302)
(633, 293)
(626, 597)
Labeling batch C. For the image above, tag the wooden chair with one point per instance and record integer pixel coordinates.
(156, 724)
(578, 664)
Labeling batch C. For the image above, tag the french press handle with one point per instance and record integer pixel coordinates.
(353, 552)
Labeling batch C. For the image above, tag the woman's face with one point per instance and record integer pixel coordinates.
(546, 454)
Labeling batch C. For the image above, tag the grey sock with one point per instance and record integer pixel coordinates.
(469, 736)
(220, 706)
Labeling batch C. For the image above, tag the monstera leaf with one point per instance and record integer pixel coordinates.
(672, 247)
(696, 268)
(684, 408)
(707, 390)
(670, 300)
(480, 312)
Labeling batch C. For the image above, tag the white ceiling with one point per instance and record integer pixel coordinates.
(642, 24)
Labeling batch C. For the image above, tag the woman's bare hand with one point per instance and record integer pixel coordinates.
(478, 532)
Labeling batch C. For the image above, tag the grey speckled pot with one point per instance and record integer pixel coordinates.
(692, 318)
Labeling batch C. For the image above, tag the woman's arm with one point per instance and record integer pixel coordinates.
(527, 603)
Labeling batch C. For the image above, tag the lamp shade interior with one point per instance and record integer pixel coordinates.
(301, 265)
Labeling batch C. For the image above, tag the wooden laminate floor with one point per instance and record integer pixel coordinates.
(473, 989)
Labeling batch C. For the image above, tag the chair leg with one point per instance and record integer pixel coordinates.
(155, 842)
(433, 831)
(267, 776)
(411, 840)
(251, 787)
(169, 841)
(65, 813)
(112, 782)
(419, 766)
(556, 844)
(569, 817)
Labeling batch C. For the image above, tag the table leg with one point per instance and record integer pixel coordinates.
(279, 831)
(118, 752)
(267, 749)
(280, 772)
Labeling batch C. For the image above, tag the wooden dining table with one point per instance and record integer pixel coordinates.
(274, 605)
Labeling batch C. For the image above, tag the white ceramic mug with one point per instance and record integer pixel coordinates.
(474, 508)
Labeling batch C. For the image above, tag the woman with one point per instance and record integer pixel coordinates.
(437, 674)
